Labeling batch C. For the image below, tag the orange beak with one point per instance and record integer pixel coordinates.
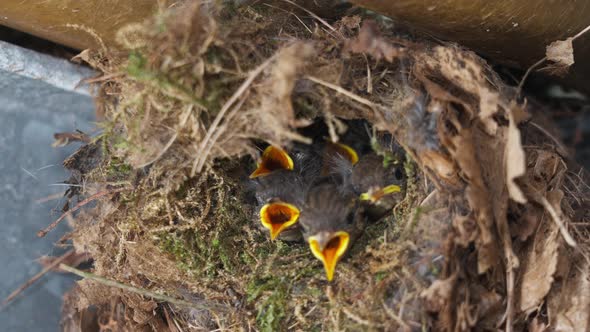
(273, 158)
(278, 216)
(329, 248)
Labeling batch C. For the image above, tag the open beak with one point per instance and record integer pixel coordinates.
(345, 151)
(273, 158)
(375, 195)
(278, 216)
(328, 248)
(334, 151)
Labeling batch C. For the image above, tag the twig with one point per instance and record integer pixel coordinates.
(30, 174)
(290, 13)
(527, 73)
(360, 320)
(140, 291)
(512, 263)
(312, 14)
(555, 216)
(50, 197)
(162, 152)
(579, 34)
(36, 277)
(343, 91)
(395, 317)
(200, 160)
(560, 146)
(54, 224)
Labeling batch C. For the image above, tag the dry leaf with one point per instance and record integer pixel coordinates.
(540, 266)
(515, 159)
(63, 139)
(488, 105)
(537, 326)
(84, 56)
(351, 22)
(438, 295)
(526, 224)
(552, 203)
(573, 311)
(370, 41)
(442, 166)
(466, 229)
(561, 53)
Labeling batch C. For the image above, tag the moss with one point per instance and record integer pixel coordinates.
(137, 68)
(118, 169)
(271, 309)
(380, 276)
(179, 248)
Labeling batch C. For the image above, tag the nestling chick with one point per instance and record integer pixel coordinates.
(280, 185)
(380, 184)
(331, 220)
(280, 196)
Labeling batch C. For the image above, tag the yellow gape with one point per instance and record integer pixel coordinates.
(331, 252)
(273, 158)
(347, 152)
(375, 195)
(278, 216)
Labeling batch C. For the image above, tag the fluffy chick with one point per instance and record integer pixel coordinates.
(331, 221)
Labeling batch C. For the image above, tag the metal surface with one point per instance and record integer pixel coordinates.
(56, 72)
(36, 100)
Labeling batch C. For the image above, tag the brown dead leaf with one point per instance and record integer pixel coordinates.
(442, 166)
(84, 56)
(527, 223)
(477, 195)
(488, 105)
(539, 267)
(75, 319)
(351, 22)
(572, 310)
(371, 42)
(515, 159)
(63, 139)
(489, 309)
(537, 326)
(561, 53)
(552, 203)
(438, 295)
(466, 229)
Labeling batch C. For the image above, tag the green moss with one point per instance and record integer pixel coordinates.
(223, 250)
(117, 166)
(389, 157)
(270, 309)
(209, 249)
(137, 68)
(179, 247)
(380, 276)
(410, 170)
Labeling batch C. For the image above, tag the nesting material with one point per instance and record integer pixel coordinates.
(492, 231)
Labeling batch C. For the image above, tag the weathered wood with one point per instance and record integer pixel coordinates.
(49, 19)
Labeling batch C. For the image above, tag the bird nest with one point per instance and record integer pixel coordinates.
(492, 231)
